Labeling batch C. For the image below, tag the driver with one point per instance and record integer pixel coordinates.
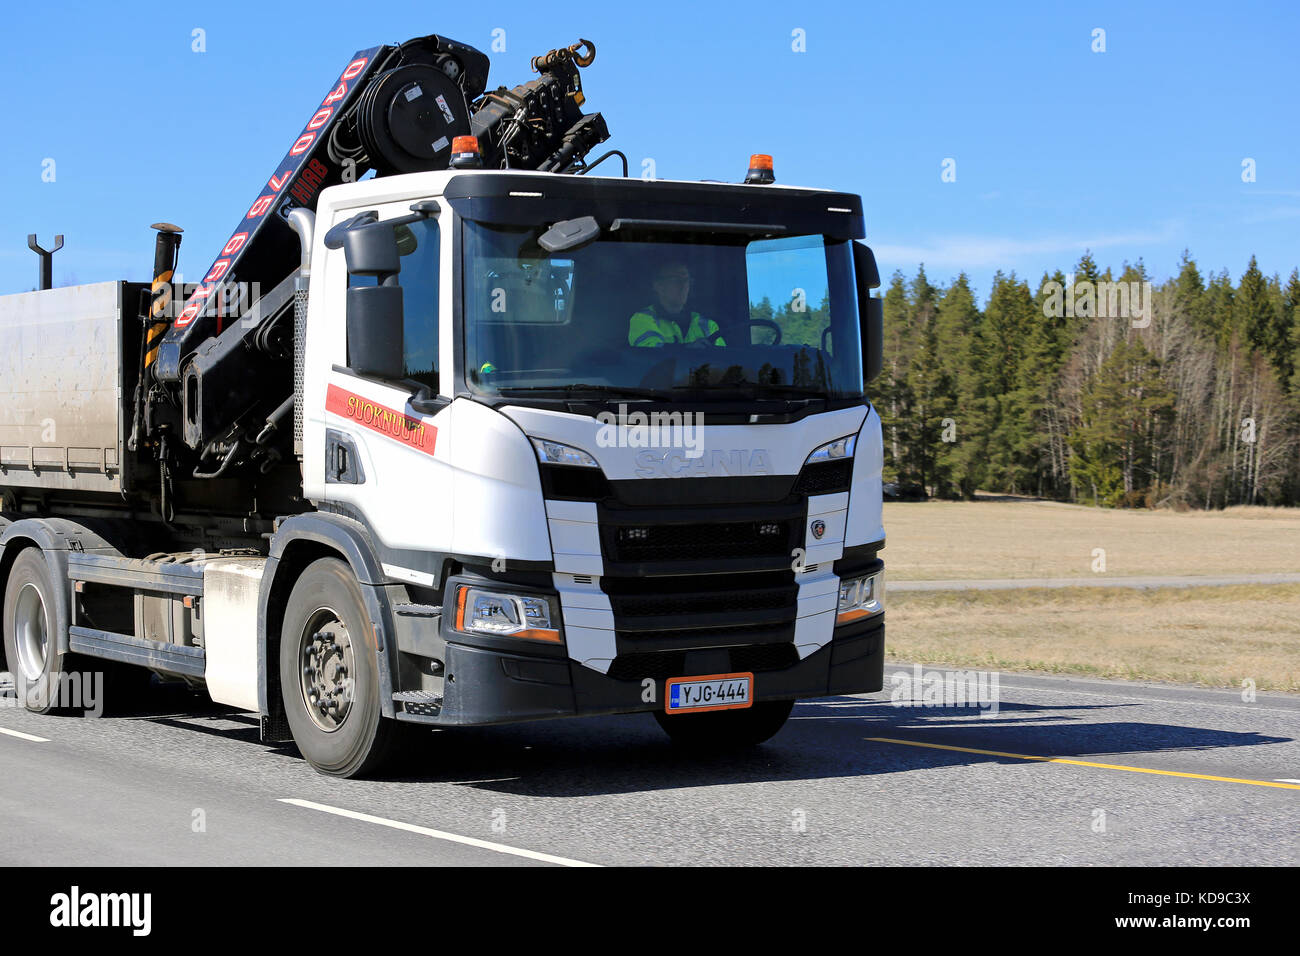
(666, 320)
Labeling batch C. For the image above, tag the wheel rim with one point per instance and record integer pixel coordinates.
(325, 670)
(30, 635)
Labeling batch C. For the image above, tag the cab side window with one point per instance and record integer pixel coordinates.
(418, 244)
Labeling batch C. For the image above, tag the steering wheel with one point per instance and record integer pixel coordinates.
(771, 325)
(705, 340)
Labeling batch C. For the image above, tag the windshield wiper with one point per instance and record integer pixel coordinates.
(759, 391)
(626, 390)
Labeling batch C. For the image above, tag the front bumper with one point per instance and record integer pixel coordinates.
(492, 686)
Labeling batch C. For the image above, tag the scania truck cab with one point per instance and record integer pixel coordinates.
(605, 526)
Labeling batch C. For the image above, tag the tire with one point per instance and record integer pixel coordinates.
(327, 657)
(30, 634)
(726, 729)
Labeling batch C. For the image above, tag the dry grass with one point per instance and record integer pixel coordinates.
(1212, 636)
(938, 540)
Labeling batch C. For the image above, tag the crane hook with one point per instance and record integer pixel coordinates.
(553, 58)
(583, 59)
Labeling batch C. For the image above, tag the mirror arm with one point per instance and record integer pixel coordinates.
(427, 403)
(334, 238)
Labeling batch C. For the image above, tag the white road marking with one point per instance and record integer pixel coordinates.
(1284, 780)
(22, 736)
(436, 834)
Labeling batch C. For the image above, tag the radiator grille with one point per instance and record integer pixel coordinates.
(758, 593)
(668, 542)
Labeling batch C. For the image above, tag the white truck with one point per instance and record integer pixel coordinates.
(434, 471)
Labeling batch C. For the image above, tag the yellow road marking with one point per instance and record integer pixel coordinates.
(1087, 763)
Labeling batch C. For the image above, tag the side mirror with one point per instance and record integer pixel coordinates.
(871, 311)
(371, 250)
(375, 331)
(873, 339)
(374, 312)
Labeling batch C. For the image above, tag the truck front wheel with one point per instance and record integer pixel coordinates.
(726, 729)
(329, 674)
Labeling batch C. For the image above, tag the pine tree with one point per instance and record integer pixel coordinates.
(1219, 306)
(1253, 316)
(1291, 314)
(1042, 444)
(930, 391)
(893, 395)
(963, 448)
(1189, 295)
(1003, 341)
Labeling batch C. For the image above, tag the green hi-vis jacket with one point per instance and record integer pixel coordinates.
(646, 328)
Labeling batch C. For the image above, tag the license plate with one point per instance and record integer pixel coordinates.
(713, 692)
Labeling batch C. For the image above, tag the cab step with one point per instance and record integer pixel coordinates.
(417, 703)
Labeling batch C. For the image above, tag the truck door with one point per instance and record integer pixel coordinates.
(385, 462)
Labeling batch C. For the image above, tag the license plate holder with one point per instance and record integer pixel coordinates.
(695, 695)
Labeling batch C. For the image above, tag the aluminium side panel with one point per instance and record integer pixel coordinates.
(61, 402)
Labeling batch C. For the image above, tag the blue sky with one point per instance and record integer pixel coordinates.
(1134, 152)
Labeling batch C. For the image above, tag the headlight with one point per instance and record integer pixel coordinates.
(834, 450)
(480, 611)
(553, 453)
(861, 598)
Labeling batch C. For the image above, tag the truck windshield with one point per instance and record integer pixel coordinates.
(677, 317)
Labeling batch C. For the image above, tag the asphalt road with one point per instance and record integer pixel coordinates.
(1188, 776)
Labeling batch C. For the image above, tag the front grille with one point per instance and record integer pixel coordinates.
(724, 539)
(659, 666)
(697, 635)
(701, 594)
(702, 610)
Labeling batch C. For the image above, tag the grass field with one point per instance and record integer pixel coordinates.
(1215, 636)
(938, 540)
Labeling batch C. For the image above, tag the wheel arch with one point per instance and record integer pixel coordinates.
(55, 537)
(297, 543)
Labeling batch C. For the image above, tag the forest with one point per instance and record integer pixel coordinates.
(1095, 388)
